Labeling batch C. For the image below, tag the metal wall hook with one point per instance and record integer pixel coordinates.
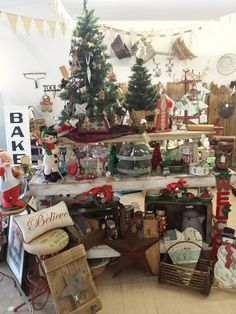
(35, 79)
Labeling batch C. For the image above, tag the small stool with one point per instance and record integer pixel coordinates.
(48, 244)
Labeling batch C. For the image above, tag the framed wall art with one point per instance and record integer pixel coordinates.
(16, 255)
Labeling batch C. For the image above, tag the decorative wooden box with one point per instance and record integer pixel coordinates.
(175, 211)
(199, 279)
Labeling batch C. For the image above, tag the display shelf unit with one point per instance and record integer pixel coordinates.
(38, 187)
(172, 135)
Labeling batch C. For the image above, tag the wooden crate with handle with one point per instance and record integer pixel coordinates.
(71, 283)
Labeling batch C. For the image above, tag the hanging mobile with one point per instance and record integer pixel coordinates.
(169, 63)
(157, 70)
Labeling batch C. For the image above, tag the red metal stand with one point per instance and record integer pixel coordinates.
(1, 244)
(5, 275)
(40, 287)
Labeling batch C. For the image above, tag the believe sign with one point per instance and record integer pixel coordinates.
(17, 132)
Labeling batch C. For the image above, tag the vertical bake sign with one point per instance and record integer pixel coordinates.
(17, 132)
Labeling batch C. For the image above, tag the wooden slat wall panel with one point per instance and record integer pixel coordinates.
(56, 266)
(222, 94)
(175, 91)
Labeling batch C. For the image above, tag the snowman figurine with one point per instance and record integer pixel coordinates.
(50, 151)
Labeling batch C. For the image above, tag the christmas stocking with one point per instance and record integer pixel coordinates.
(120, 48)
(150, 52)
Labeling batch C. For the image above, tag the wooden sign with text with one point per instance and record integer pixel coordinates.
(222, 209)
(17, 132)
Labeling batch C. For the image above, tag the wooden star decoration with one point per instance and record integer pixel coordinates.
(132, 250)
(74, 286)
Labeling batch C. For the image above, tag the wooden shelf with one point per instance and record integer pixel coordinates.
(124, 183)
(172, 135)
(119, 183)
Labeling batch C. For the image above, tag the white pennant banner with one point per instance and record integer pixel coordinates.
(12, 18)
(39, 24)
(52, 26)
(68, 24)
(26, 20)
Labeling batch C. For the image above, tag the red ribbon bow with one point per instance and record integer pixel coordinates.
(106, 189)
(174, 185)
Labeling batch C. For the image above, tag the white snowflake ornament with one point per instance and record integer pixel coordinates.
(80, 108)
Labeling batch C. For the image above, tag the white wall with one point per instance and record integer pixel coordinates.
(22, 53)
(209, 44)
(36, 53)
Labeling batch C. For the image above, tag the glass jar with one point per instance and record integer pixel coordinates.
(134, 159)
(72, 164)
(162, 221)
(62, 161)
(111, 230)
(89, 164)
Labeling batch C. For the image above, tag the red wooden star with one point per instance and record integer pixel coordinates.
(132, 250)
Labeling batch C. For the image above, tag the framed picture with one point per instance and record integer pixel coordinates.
(15, 249)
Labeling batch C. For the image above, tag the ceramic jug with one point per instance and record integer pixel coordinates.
(191, 218)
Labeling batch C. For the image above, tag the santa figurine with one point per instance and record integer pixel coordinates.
(9, 183)
(163, 108)
(50, 151)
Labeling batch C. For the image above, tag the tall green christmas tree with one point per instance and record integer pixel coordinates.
(90, 89)
(141, 93)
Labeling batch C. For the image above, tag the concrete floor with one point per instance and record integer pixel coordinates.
(134, 293)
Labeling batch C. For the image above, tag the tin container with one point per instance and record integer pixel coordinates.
(153, 195)
(129, 214)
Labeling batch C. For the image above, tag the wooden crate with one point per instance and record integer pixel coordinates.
(70, 263)
(199, 279)
(150, 229)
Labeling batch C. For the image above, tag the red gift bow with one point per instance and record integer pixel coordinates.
(228, 248)
(174, 185)
(106, 189)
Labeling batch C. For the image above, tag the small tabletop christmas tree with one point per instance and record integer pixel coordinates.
(141, 93)
(90, 90)
(156, 156)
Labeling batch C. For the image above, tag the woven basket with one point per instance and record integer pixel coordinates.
(149, 115)
(98, 266)
(199, 279)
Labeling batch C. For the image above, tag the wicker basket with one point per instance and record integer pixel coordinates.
(149, 115)
(199, 279)
(98, 266)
